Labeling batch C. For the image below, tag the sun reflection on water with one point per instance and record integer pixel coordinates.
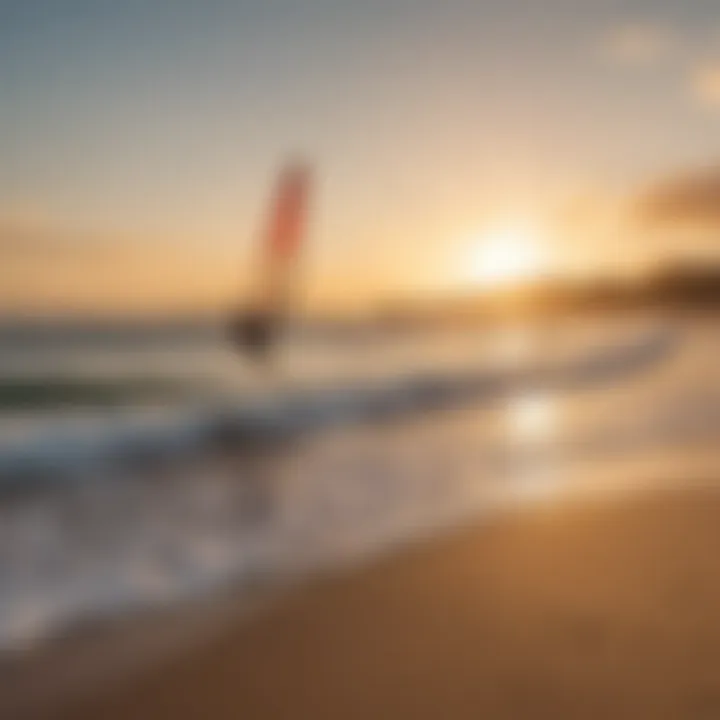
(532, 423)
(533, 418)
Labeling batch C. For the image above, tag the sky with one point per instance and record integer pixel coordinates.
(139, 140)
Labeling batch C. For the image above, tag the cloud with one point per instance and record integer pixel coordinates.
(647, 45)
(27, 233)
(690, 199)
(705, 84)
(639, 44)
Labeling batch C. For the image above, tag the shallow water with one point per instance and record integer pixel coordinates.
(129, 531)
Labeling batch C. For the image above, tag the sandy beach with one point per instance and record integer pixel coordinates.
(574, 611)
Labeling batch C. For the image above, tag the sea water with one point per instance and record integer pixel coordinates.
(143, 466)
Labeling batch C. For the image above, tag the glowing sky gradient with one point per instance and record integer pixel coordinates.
(139, 138)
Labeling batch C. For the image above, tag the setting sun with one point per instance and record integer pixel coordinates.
(507, 255)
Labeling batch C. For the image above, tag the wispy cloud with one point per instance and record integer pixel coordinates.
(688, 198)
(695, 58)
(705, 84)
(641, 44)
(27, 233)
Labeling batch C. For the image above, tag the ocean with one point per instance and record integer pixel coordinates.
(143, 467)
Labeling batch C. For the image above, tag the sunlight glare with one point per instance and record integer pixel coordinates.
(533, 421)
(533, 417)
(508, 255)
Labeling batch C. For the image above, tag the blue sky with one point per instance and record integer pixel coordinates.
(129, 127)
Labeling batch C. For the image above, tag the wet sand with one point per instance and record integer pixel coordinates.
(592, 611)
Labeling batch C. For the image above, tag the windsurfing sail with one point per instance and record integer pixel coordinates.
(283, 242)
(256, 328)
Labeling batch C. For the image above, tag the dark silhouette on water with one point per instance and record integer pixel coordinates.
(256, 329)
(255, 334)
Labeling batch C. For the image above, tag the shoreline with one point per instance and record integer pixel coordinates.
(598, 608)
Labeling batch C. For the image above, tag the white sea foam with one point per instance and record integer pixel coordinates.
(93, 440)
